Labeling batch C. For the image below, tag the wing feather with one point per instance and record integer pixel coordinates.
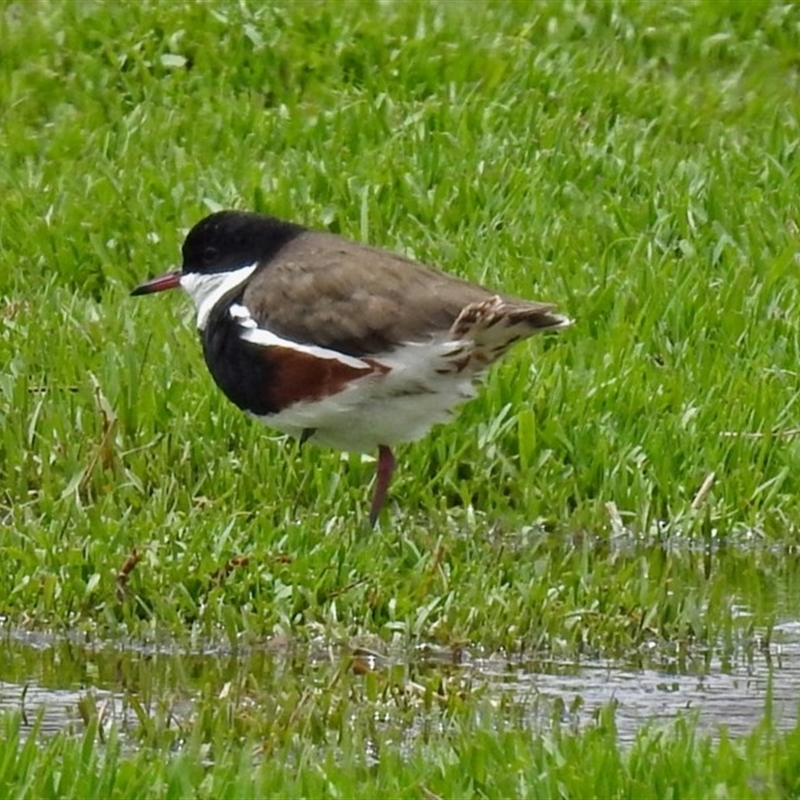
(327, 291)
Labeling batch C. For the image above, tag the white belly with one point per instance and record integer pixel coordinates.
(420, 390)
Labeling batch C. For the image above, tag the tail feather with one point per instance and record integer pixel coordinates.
(490, 327)
(498, 323)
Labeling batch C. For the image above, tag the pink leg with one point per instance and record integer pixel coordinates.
(383, 474)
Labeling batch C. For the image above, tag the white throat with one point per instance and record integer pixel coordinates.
(206, 290)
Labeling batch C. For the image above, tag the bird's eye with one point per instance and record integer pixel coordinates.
(210, 254)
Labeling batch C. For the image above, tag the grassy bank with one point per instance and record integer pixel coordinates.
(632, 483)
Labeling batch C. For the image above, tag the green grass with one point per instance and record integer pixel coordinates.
(637, 164)
(225, 754)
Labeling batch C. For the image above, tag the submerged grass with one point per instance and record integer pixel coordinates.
(635, 163)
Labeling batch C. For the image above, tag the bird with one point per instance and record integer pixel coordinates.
(336, 342)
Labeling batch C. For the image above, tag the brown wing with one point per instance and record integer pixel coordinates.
(324, 290)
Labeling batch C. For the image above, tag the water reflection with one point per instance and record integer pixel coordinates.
(65, 681)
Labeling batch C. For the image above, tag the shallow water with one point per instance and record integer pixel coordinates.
(733, 695)
(63, 680)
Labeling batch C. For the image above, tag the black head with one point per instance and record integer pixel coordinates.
(229, 240)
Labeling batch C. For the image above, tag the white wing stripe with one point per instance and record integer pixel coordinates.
(250, 332)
